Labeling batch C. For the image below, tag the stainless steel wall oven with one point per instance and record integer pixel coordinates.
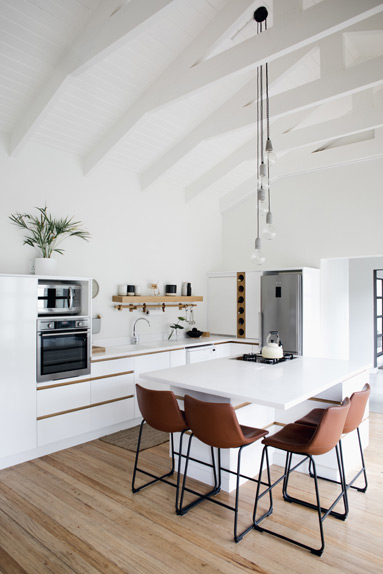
(63, 348)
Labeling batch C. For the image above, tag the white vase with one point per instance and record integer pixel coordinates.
(45, 266)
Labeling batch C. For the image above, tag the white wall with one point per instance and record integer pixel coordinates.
(334, 213)
(331, 213)
(136, 236)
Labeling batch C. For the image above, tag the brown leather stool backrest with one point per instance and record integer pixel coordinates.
(215, 424)
(358, 406)
(329, 429)
(160, 410)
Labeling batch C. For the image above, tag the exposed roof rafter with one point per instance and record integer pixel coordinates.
(109, 27)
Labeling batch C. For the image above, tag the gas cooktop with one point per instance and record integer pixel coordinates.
(257, 358)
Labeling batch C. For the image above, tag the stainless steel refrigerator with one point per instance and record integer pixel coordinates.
(281, 309)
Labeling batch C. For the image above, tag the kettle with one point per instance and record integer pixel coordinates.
(273, 348)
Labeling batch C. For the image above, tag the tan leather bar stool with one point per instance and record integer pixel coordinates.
(307, 441)
(216, 425)
(354, 418)
(161, 411)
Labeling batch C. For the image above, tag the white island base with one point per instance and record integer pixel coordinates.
(268, 396)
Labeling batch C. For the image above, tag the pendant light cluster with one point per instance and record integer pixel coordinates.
(265, 153)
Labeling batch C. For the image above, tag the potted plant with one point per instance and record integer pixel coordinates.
(176, 326)
(46, 234)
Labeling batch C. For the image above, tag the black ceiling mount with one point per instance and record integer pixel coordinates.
(260, 14)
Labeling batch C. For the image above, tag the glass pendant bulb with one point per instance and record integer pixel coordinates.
(262, 170)
(272, 158)
(257, 255)
(261, 194)
(269, 231)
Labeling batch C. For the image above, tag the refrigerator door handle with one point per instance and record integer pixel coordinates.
(260, 329)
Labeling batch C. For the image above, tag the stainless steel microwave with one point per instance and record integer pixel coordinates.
(58, 298)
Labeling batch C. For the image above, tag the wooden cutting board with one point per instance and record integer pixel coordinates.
(98, 350)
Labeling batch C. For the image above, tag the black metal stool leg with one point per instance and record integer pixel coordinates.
(284, 478)
(200, 497)
(343, 493)
(268, 490)
(361, 471)
(153, 476)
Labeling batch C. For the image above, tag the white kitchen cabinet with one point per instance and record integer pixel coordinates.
(223, 303)
(243, 348)
(111, 413)
(61, 427)
(112, 388)
(54, 399)
(18, 312)
(111, 392)
(222, 350)
(146, 363)
(80, 405)
(178, 358)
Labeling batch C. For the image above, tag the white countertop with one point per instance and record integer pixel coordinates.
(115, 351)
(281, 386)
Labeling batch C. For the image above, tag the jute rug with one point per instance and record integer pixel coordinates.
(128, 438)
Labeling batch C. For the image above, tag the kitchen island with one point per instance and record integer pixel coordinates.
(269, 396)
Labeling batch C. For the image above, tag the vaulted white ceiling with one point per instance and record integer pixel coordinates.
(166, 88)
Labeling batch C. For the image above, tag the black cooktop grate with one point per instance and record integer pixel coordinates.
(257, 358)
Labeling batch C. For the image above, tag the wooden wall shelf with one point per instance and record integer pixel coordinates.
(155, 299)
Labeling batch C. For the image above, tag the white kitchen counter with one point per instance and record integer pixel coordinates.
(280, 386)
(114, 351)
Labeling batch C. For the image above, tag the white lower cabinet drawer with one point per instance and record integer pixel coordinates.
(110, 366)
(61, 427)
(62, 398)
(111, 413)
(111, 388)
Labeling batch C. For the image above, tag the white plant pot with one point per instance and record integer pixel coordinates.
(45, 266)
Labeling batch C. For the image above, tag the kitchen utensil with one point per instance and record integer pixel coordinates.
(273, 348)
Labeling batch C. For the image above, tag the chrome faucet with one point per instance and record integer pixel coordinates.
(135, 338)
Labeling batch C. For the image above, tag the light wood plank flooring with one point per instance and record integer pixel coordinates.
(73, 512)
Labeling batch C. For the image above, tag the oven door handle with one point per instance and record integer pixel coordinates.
(70, 298)
(66, 333)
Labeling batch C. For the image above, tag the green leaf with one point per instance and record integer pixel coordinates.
(45, 232)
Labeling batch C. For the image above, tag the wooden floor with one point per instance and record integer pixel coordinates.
(73, 512)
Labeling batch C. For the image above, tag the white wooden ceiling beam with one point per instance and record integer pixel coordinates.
(365, 117)
(293, 32)
(244, 153)
(206, 129)
(303, 98)
(108, 28)
(161, 90)
(331, 61)
(292, 165)
(330, 130)
(352, 80)
(122, 26)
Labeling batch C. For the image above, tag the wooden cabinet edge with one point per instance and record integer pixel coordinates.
(56, 385)
(59, 413)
